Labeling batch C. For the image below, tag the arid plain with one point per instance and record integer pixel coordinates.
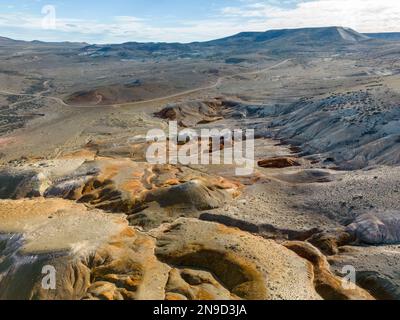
(78, 194)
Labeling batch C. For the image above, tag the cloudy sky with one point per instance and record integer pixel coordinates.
(115, 21)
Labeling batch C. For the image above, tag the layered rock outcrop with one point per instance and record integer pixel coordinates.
(98, 256)
(193, 113)
(119, 185)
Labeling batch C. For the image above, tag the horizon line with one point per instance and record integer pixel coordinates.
(191, 42)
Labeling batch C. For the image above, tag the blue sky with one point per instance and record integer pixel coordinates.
(115, 21)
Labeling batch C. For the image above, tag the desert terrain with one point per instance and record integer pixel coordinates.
(77, 192)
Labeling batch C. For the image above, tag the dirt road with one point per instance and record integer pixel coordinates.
(219, 81)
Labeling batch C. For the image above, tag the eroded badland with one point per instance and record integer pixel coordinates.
(78, 193)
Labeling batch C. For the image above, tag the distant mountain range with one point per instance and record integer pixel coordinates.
(390, 36)
(275, 41)
(8, 42)
(304, 35)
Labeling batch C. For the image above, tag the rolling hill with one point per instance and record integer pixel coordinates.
(285, 40)
(389, 36)
(303, 35)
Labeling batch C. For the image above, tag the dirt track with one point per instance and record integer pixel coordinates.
(161, 99)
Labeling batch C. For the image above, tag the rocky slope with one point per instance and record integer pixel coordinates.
(349, 130)
(339, 212)
(98, 256)
(160, 193)
(108, 225)
(356, 129)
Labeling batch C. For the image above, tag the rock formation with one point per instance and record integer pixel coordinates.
(98, 256)
(283, 162)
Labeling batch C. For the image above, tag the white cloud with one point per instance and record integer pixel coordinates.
(250, 15)
(120, 29)
(362, 15)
